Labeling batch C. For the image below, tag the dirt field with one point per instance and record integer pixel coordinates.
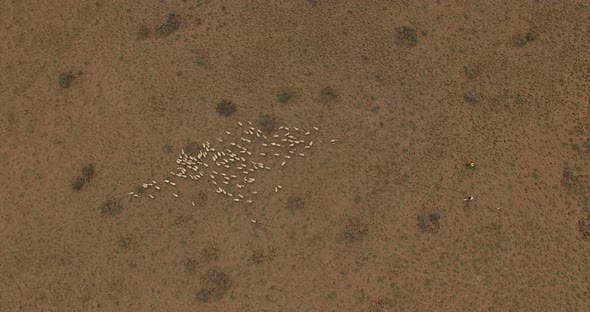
(102, 101)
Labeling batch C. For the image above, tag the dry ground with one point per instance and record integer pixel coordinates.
(98, 96)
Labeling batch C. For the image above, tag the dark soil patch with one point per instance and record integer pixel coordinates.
(110, 207)
(267, 124)
(226, 108)
(429, 222)
(406, 37)
(217, 283)
(171, 25)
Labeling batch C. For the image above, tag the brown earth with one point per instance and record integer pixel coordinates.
(98, 97)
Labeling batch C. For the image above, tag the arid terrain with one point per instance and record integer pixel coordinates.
(302, 155)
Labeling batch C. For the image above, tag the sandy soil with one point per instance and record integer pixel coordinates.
(99, 97)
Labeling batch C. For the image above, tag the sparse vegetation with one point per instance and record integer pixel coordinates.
(521, 40)
(285, 96)
(217, 284)
(200, 58)
(354, 230)
(77, 183)
(210, 253)
(192, 148)
(257, 256)
(171, 25)
(124, 243)
(110, 207)
(143, 33)
(139, 190)
(429, 222)
(226, 108)
(200, 199)
(66, 79)
(569, 179)
(167, 149)
(471, 71)
(471, 97)
(190, 265)
(295, 203)
(406, 37)
(87, 175)
(328, 95)
(584, 228)
(267, 124)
